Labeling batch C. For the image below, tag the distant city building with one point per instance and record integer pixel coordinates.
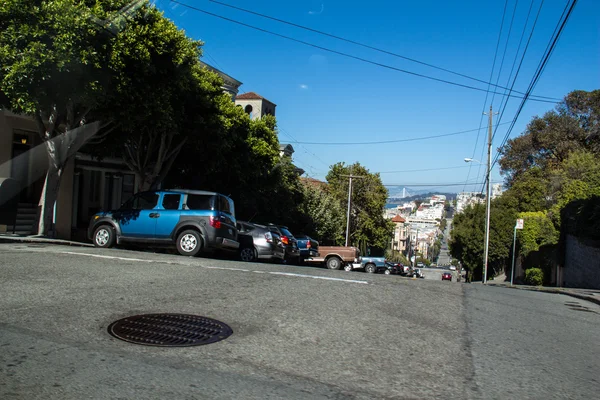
(497, 190)
(465, 199)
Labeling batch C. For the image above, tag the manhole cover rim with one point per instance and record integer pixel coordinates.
(115, 329)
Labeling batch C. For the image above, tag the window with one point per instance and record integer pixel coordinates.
(200, 202)
(248, 109)
(141, 201)
(171, 201)
(224, 205)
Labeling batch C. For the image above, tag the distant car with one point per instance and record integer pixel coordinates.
(292, 253)
(452, 268)
(192, 220)
(307, 246)
(447, 276)
(257, 242)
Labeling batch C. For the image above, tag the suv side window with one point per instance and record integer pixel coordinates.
(141, 201)
(171, 201)
(200, 202)
(224, 205)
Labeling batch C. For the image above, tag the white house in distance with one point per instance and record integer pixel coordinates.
(255, 105)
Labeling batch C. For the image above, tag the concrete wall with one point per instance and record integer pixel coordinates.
(582, 264)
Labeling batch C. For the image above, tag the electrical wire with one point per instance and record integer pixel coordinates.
(541, 66)
(487, 93)
(364, 45)
(388, 141)
(346, 54)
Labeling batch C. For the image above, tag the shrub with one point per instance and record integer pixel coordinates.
(534, 276)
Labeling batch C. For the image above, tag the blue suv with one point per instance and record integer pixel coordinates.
(193, 220)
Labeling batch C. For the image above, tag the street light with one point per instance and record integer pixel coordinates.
(487, 218)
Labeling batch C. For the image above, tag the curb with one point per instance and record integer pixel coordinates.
(42, 240)
(591, 299)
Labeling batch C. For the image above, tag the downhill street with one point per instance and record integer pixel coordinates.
(299, 332)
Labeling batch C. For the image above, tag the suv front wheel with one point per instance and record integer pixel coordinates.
(104, 236)
(189, 243)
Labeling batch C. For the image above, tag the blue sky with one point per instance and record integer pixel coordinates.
(325, 97)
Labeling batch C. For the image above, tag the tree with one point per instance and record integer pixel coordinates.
(549, 140)
(538, 230)
(368, 227)
(162, 96)
(239, 156)
(52, 58)
(325, 216)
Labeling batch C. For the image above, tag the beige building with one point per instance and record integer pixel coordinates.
(401, 234)
(255, 105)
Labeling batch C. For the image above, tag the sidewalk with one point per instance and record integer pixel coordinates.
(592, 295)
(12, 238)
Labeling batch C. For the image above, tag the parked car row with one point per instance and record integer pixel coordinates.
(197, 221)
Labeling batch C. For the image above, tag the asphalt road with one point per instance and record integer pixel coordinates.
(299, 333)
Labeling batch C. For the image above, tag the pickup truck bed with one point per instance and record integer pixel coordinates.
(336, 257)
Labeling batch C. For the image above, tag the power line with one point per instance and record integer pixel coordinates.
(363, 45)
(388, 141)
(487, 94)
(432, 184)
(549, 49)
(346, 54)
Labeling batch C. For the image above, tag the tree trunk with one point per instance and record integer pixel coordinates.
(48, 199)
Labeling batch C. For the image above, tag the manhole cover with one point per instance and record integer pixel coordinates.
(172, 330)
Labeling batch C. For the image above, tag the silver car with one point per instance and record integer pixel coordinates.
(258, 242)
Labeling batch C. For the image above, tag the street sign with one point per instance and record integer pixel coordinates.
(519, 224)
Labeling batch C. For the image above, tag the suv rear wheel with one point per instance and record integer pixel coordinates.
(370, 268)
(189, 243)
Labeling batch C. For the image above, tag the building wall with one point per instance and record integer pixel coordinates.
(582, 264)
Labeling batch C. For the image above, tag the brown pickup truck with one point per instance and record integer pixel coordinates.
(336, 257)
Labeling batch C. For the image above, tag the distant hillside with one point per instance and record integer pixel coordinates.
(422, 196)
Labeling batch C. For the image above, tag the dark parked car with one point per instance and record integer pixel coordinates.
(259, 242)
(193, 220)
(292, 253)
(395, 268)
(307, 246)
(447, 276)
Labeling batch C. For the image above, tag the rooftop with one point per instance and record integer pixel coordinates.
(251, 96)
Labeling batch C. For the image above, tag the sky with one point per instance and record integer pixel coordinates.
(324, 97)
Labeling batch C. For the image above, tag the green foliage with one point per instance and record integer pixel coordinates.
(582, 218)
(156, 120)
(550, 139)
(534, 276)
(538, 230)
(53, 57)
(425, 261)
(368, 227)
(325, 217)
(396, 257)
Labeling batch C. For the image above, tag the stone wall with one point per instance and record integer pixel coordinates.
(582, 264)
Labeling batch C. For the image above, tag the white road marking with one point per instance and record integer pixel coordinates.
(325, 278)
(110, 257)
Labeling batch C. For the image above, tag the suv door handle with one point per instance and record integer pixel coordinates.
(154, 215)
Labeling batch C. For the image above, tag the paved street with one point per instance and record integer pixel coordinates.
(299, 333)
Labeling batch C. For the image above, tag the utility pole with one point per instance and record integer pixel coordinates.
(488, 198)
(350, 177)
(416, 249)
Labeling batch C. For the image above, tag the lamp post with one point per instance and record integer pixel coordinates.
(487, 218)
